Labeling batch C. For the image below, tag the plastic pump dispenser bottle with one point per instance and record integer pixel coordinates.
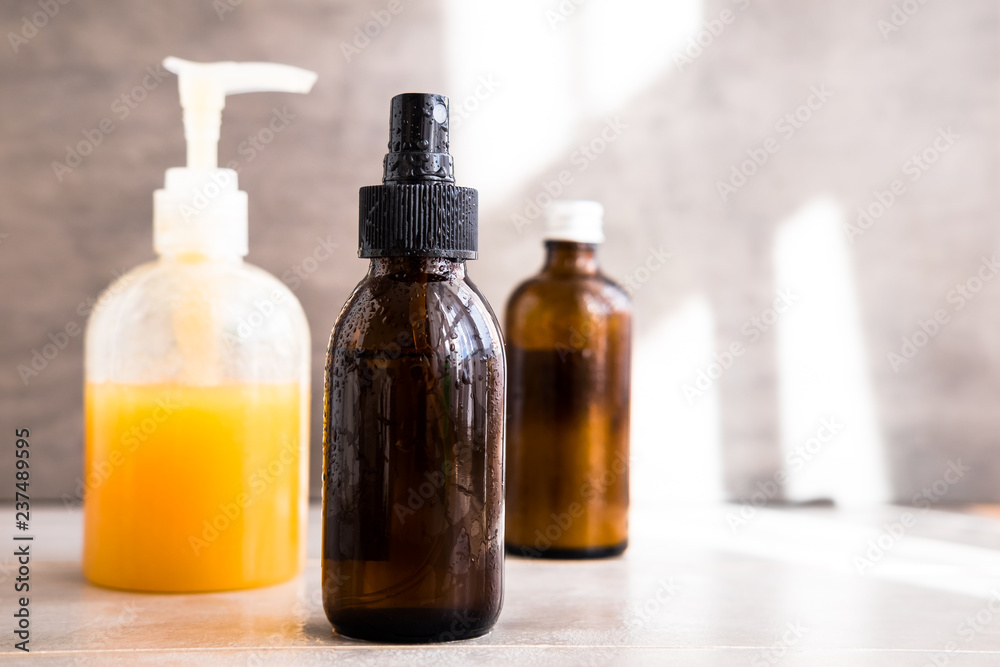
(197, 383)
(568, 350)
(413, 430)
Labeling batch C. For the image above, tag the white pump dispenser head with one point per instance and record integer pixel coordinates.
(201, 208)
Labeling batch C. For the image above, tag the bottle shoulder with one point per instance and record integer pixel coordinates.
(593, 294)
(429, 317)
(204, 319)
(546, 311)
(159, 283)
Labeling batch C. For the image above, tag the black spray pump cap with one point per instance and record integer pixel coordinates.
(418, 140)
(418, 211)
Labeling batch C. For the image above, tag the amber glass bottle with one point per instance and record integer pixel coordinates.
(568, 352)
(414, 409)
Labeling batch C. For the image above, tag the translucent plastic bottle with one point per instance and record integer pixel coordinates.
(413, 437)
(568, 353)
(197, 384)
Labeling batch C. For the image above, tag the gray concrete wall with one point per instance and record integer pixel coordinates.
(65, 239)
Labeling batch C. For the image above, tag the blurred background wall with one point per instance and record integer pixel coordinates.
(802, 196)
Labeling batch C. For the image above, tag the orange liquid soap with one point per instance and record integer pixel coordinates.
(193, 488)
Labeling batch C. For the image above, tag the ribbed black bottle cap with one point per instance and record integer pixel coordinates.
(418, 211)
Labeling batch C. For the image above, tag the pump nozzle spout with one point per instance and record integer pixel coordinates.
(203, 88)
(418, 140)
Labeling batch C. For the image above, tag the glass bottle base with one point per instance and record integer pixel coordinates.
(554, 553)
(410, 626)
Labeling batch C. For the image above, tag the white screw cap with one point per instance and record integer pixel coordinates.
(579, 221)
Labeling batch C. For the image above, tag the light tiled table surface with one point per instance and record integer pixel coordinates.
(784, 589)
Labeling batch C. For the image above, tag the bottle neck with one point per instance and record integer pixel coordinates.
(568, 258)
(417, 269)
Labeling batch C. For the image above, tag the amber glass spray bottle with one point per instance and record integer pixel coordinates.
(568, 349)
(414, 409)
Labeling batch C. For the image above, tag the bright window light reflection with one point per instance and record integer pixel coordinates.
(526, 78)
(829, 432)
(835, 543)
(625, 45)
(676, 450)
(511, 131)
